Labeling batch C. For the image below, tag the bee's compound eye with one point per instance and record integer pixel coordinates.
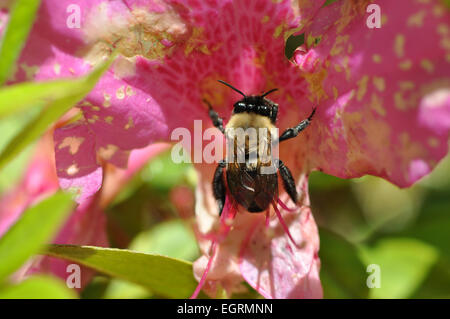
(265, 110)
(238, 107)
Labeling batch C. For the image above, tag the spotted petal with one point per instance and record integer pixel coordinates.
(274, 265)
(383, 93)
(76, 162)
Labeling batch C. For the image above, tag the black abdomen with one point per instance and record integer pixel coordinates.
(252, 190)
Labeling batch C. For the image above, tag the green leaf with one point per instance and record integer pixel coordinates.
(21, 20)
(164, 276)
(437, 282)
(20, 97)
(14, 170)
(35, 228)
(38, 287)
(55, 107)
(292, 43)
(122, 289)
(404, 264)
(328, 2)
(322, 181)
(162, 174)
(342, 272)
(172, 238)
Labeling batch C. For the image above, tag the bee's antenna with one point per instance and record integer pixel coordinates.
(232, 87)
(268, 92)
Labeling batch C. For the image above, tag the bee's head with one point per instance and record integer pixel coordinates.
(253, 103)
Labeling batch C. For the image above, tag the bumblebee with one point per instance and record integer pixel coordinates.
(249, 187)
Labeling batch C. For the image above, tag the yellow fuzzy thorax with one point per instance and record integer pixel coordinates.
(251, 120)
(246, 120)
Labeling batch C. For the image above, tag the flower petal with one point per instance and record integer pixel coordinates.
(383, 94)
(87, 224)
(274, 266)
(39, 181)
(76, 162)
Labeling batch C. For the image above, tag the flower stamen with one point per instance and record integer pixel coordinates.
(284, 206)
(283, 224)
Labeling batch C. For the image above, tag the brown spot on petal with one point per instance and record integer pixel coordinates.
(379, 83)
(349, 11)
(130, 124)
(433, 142)
(405, 65)
(278, 30)
(129, 91)
(132, 33)
(376, 137)
(406, 85)
(85, 103)
(416, 20)
(384, 20)
(196, 42)
(108, 152)
(315, 82)
(362, 87)
(30, 71)
(93, 119)
(427, 65)
(399, 45)
(400, 102)
(73, 143)
(377, 105)
(335, 93)
(338, 46)
(376, 58)
(438, 11)
(107, 100)
(109, 119)
(120, 93)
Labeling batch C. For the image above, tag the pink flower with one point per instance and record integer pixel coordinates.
(382, 99)
(39, 181)
(86, 225)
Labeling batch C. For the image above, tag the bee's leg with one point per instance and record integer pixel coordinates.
(288, 181)
(219, 190)
(294, 131)
(215, 118)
